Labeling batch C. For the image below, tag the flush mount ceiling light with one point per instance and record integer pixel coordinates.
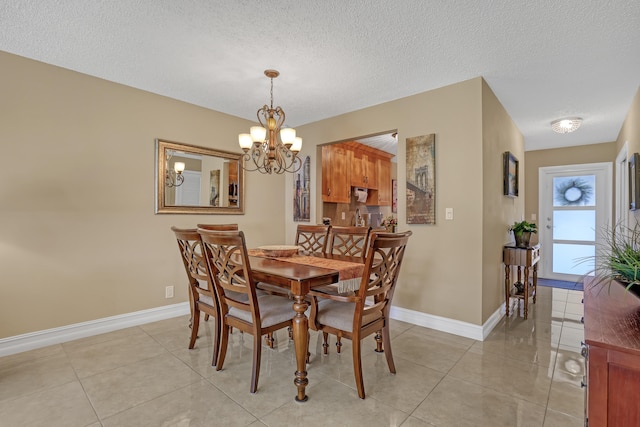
(271, 147)
(566, 125)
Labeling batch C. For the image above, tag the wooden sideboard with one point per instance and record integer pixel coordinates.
(612, 337)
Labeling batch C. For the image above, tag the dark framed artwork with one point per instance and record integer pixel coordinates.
(634, 181)
(510, 174)
(394, 196)
(302, 192)
(421, 179)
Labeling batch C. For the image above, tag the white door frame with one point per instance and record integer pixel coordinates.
(603, 212)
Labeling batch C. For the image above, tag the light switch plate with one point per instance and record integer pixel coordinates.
(448, 214)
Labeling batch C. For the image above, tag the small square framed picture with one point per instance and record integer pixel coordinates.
(510, 175)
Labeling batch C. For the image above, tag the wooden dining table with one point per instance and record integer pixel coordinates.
(299, 279)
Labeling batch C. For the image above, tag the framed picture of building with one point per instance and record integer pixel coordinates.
(421, 179)
(302, 192)
(510, 175)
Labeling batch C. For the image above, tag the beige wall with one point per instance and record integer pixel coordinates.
(499, 134)
(77, 195)
(442, 271)
(534, 160)
(78, 237)
(630, 134)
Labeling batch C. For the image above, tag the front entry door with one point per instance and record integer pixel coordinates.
(575, 207)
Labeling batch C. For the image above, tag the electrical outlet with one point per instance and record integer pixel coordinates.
(533, 217)
(344, 215)
(168, 292)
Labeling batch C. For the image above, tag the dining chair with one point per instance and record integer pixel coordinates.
(219, 227)
(367, 312)
(350, 241)
(228, 263)
(202, 296)
(312, 238)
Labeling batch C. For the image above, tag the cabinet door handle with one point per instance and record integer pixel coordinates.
(584, 352)
(329, 192)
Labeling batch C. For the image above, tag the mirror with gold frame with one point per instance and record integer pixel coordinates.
(198, 180)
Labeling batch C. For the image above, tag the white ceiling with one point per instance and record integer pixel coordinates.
(544, 59)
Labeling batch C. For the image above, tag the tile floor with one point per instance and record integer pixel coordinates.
(526, 373)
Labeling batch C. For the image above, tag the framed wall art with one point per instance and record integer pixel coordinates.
(421, 179)
(394, 196)
(302, 192)
(634, 181)
(510, 175)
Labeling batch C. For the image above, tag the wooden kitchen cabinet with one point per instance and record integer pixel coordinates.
(612, 337)
(363, 168)
(351, 164)
(383, 167)
(336, 175)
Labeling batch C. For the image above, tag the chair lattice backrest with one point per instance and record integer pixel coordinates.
(193, 259)
(313, 238)
(226, 253)
(351, 241)
(382, 267)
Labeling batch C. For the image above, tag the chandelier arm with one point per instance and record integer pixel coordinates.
(250, 157)
(287, 160)
(280, 113)
(265, 114)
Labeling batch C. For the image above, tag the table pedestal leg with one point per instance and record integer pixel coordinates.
(301, 342)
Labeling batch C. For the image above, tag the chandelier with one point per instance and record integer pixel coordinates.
(271, 148)
(566, 125)
(174, 178)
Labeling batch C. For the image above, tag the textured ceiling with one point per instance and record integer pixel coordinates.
(544, 59)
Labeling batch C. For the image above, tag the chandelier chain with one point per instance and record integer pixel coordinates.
(272, 93)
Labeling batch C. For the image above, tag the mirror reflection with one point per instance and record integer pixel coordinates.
(192, 179)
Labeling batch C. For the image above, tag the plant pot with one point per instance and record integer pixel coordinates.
(522, 239)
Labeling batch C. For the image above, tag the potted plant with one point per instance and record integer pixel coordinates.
(522, 232)
(391, 223)
(618, 258)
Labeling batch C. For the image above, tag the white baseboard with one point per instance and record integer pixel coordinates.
(33, 340)
(445, 324)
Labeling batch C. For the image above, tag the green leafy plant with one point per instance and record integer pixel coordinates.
(523, 226)
(618, 257)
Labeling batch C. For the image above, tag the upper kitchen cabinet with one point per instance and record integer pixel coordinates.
(363, 167)
(336, 182)
(352, 164)
(383, 194)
